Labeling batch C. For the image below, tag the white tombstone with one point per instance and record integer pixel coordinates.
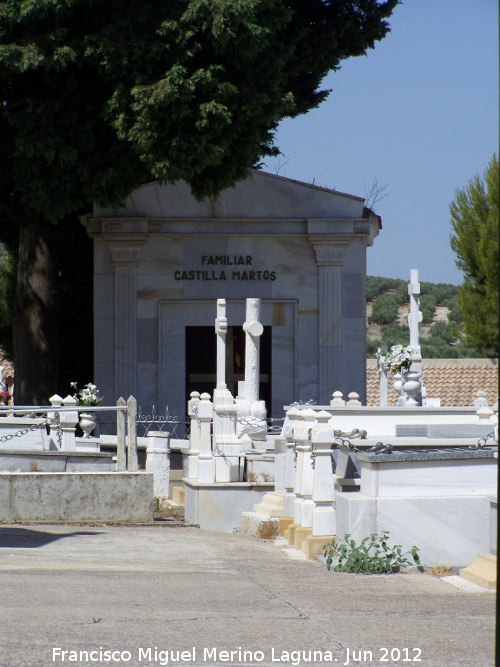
(158, 462)
(226, 444)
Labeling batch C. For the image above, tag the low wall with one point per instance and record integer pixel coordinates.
(219, 506)
(76, 497)
(56, 461)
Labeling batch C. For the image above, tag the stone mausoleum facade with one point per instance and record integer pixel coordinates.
(162, 261)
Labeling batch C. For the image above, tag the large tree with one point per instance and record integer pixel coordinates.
(474, 219)
(99, 95)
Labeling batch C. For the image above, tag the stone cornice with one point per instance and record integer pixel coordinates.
(126, 250)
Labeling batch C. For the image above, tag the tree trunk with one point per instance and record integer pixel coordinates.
(36, 326)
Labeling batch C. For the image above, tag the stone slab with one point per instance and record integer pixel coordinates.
(313, 545)
(73, 497)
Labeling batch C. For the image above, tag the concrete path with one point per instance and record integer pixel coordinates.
(150, 593)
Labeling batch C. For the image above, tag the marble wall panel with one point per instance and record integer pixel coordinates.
(355, 256)
(353, 303)
(147, 340)
(355, 514)
(104, 296)
(353, 341)
(172, 380)
(467, 477)
(147, 387)
(102, 258)
(104, 379)
(307, 358)
(161, 256)
(354, 379)
(446, 530)
(297, 274)
(283, 364)
(104, 349)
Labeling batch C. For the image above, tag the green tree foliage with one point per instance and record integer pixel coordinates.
(98, 96)
(474, 220)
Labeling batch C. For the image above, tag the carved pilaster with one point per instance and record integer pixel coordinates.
(125, 256)
(329, 258)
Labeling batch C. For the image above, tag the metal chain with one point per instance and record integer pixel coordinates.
(47, 422)
(194, 407)
(295, 452)
(312, 448)
(482, 441)
(22, 431)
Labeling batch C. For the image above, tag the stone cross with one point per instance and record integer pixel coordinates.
(221, 331)
(415, 316)
(415, 324)
(253, 329)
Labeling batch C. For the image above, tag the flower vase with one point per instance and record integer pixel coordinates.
(412, 387)
(87, 423)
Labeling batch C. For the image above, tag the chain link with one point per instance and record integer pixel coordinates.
(482, 441)
(34, 427)
(312, 448)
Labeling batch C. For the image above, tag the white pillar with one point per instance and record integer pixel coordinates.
(194, 435)
(304, 470)
(323, 516)
(254, 330)
(221, 331)
(158, 462)
(291, 419)
(55, 401)
(69, 420)
(206, 463)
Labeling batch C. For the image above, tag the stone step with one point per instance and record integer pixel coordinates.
(483, 571)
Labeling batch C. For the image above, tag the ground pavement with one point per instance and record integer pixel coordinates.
(172, 595)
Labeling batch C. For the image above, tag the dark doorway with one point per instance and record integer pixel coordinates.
(201, 360)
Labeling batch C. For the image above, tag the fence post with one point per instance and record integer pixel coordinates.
(121, 419)
(194, 435)
(158, 462)
(69, 420)
(56, 402)
(132, 464)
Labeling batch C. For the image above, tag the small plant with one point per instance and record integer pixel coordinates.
(87, 396)
(33, 466)
(250, 476)
(268, 530)
(97, 619)
(439, 570)
(373, 555)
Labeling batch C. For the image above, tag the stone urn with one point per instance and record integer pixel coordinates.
(87, 423)
(412, 386)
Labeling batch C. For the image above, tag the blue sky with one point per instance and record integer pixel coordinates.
(418, 114)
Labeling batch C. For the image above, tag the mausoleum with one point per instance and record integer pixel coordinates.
(164, 258)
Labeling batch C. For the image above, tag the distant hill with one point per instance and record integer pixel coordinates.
(387, 308)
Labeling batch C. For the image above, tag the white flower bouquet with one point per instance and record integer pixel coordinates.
(398, 358)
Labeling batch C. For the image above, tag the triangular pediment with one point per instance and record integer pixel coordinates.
(260, 196)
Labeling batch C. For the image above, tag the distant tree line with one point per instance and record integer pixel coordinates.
(443, 341)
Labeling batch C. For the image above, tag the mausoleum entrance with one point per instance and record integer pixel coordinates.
(201, 360)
